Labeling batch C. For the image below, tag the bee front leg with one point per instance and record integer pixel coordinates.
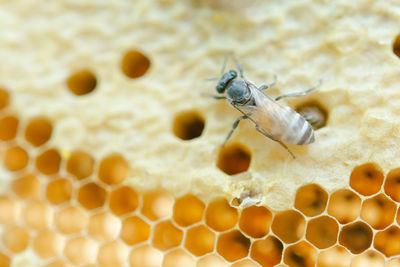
(266, 86)
(234, 126)
(280, 142)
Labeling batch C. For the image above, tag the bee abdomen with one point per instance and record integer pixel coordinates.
(299, 132)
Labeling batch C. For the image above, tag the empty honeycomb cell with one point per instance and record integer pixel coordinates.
(211, 260)
(82, 82)
(233, 245)
(134, 230)
(81, 250)
(288, 225)
(38, 131)
(5, 261)
(188, 210)
(104, 226)
(245, 263)
(71, 219)
(92, 196)
(301, 254)
(366, 179)
(233, 159)
(267, 252)
(112, 254)
(344, 205)
(135, 64)
(59, 191)
(255, 221)
(322, 232)
(220, 216)
(113, 169)
(356, 237)
(369, 258)
(10, 210)
(378, 211)
(123, 200)
(16, 158)
(38, 215)
(314, 113)
(392, 184)
(8, 127)
(48, 244)
(15, 238)
(396, 46)
(188, 125)
(48, 162)
(157, 204)
(311, 200)
(80, 164)
(336, 256)
(4, 98)
(388, 241)
(166, 236)
(145, 256)
(26, 186)
(200, 240)
(57, 263)
(178, 258)
(398, 217)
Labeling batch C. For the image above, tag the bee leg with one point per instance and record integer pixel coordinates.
(306, 92)
(266, 86)
(234, 126)
(280, 142)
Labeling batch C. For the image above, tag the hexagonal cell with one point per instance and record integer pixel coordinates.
(393, 262)
(71, 219)
(188, 210)
(134, 230)
(233, 245)
(135, 64)
(92, 196)
(48, 244)
(311, 200)
(104, 226)
(10, 210)
(369, 258)
(289, 226)
(356, 237)
(82, 82)
(114, 253)
(113, 169)
(398, 216)
(4, 98)
(38, 131)
(366, 179)
(157, 204)
(145, 256)
(200, 240)
(344, 205)
(255, 221)
(38, 215)
(166, 236)
(48, 162)
(123, 200)
(392, 184)
(15, 238)
(301, 254)
(336, 256)
(59, 191)
(267, 252)
(16, 158)
(322, 232)
(245, 263)
(8, 127)
(211, 260)
(5, 261)
(81, 250)
(178, 258)
(188, 125)
(220, 216)
(234, 159)
(80, 164)
(387, 241)
(378, 211)
(26, 187)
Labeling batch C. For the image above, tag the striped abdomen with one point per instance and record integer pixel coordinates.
(298, 130)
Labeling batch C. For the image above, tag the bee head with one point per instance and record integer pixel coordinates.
(224, 80)
(238, 92)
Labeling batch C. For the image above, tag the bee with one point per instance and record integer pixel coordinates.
(278, 122)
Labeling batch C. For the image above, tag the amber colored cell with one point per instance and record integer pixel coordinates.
(220, 216)
(322, 232)
(336, 256)
(311, 200)
(38, 215)
(123, 200)
(16, 158)
(4, 99)
(188, 125)
(145, 256)
(178, 258)
(200, 240)
(211, 260)
(396, 46)
(366, 179)
(81, 250)
(15, 238)
(392, 184)
(369, 258)
(10, 210)
(378, 211)
(398, 217)
(8, 128)
(288, 225)
(82, 82)
(48, 162)
(80, 164)
(4, 260)
(233, 159)
(255, 221)
(57, 263)
(113, 169)
(38, 131)
(344, 205)
(114, 253)
(388, 241)
(135, 64)
(48, 244)
(104, 226)
(92, 196)
(71, 219)
(166, 236)
(157, 204)
(356, 237)
(267, 252)
(27, 186)
(233, 245)
(301, 254)
(59, 191)
(188, 210)
(134, 230)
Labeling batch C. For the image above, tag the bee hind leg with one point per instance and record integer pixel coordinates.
(306, 92)
(280, 142)
(234, 126)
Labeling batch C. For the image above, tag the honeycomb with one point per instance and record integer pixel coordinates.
(73, 195)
